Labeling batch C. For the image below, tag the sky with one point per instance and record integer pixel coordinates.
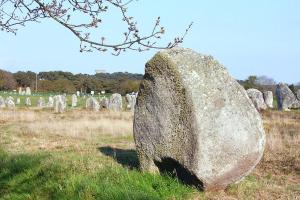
(257, 37)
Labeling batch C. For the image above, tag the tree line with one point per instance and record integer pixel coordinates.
(120, 82)
(67, 82)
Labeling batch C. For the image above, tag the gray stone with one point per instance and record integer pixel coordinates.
(298, 95)
(20, 91)
(27, 101)
(257, 99)
(28, 91)
(193, 119)
(18, 101)
(74, 100)
(104, 102)
(2, 102)
(41, 103)
(59, 104)
(50, 103)
(115, 103)
(131, 101)
(92, 104)
(268, 97)
(10, 103)
(286, 99)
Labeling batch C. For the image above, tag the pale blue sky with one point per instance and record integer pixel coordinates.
(260, 37)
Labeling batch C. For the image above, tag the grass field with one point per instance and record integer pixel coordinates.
(86, 155)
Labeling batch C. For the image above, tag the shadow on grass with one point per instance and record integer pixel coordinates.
(126, 157)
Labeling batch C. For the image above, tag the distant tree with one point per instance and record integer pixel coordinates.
(264, 80)
(63, 86)
(250, 82)
(25, 79)
(7, 81)
(17, 13)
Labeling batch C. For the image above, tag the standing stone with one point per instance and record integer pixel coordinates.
(27, 101)
(20, 91)
(92, 104)
(2, 102)
(41, 102)
(59, 104)
(50, 103)
(18, 101)
(286, 98)
(131, 101)
(194, 120)
(104, 102)
(74, 100)
(28, 91)
(10, 98)
(115, 103)
(298, 94)
(268, 97)
(257, 99)
(10, 104)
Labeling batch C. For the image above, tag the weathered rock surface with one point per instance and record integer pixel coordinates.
(74, 100)
(115, 103)
(50, 103)
(92, 104)
(298, 94)
(2, 102)
(28, 91)
(27, 101)
(104, 102)
(59, 104)
(10, 103)
(193, 118)
(257, 99)
(131, 101)
(268, 97)
(41, 103)
(286, 99)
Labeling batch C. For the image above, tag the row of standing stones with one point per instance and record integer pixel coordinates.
(286, 99)
(59, 102)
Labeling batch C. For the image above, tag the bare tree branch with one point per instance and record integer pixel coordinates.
(17, 13)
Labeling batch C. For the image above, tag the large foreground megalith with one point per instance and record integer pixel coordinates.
(193, 119)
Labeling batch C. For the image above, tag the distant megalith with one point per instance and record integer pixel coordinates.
(268, 97)
(27, 101)
(50, 103)
(115, 103)
(298, 94)
(41, 103)
(28, 91)
(193, 119)
(74, 100)
(92, 104)
(286, 99)
(18, 101)
(131, 101)
(257, 99)
(2, 102)
(59, 104)
(104, 102)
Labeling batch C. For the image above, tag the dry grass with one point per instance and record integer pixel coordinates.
(276, 177)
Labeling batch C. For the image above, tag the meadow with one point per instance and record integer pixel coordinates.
(88, 155)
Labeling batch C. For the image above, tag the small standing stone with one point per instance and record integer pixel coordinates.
(115, 103)
(18, 101)
(74, 100)
(2, 102)
(257, 99)
(298, 94)
(20, 91)
(59, 104)
(27, 101)
(104, 102)
(28, 91)
(92, 104)
(268, 97)
(41, 102)
(50, 103)
(131, 101)
(10, 104)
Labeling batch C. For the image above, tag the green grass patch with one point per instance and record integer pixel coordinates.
(71, 176)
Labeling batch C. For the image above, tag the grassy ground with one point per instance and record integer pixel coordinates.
(86, 155)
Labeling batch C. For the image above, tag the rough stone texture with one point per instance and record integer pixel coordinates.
(10, 98)
(92, 104)
(41, 103)
(27, 101)
(20, 91)
(131, 101)
(257, 99)
(286, 99)
(193, 118)
(59, 104)
(18, 101)
(298, 94)
(28, 91)
(2, 102)
(104, 102)
(74, 100)
(268, 97)
(50, 103)
(115, 103)
(10, 103)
